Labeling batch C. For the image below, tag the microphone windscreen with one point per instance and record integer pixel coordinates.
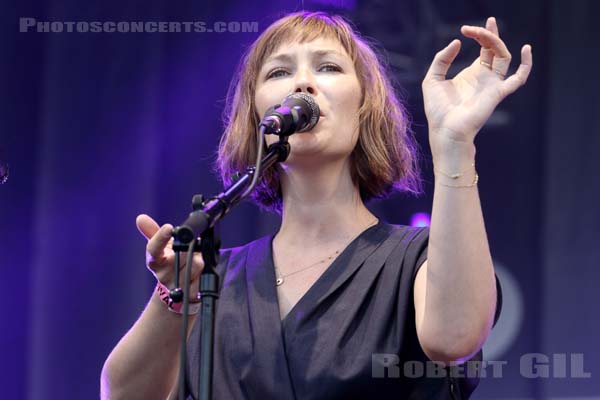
(309, 106)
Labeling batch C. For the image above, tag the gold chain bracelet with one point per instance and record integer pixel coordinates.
(475, 180)
(456, 176)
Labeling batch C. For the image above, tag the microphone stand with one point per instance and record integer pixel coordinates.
(200, 223)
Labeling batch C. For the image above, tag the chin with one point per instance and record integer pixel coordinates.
(306, 142)
(300, 151)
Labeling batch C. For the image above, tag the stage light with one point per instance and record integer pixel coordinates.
(420, 219)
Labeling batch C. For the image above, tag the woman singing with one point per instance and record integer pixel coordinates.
(336, 302)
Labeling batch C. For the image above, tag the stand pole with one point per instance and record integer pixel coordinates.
(200, 223)
(209, 293)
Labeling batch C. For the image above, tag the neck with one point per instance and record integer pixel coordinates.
(321, 204)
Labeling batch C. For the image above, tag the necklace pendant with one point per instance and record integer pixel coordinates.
(279, 281)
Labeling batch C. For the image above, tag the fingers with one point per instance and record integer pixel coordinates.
(198, 261)
(442, 61)
(197, 267)
(159, 261)
(146, 225)
(159, 241)
(492, 26)
(488, 39)
(158, 237)
(519, 78)
(486, 55)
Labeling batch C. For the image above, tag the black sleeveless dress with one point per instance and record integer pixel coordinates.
(351, 336)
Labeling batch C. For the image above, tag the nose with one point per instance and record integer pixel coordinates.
(305, 82)
(308, 89)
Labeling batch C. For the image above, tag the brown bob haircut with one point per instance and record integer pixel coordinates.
(385, 156)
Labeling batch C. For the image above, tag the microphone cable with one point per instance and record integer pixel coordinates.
(184, 327)
(257, 165)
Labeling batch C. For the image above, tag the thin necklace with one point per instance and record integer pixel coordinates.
(280, 279)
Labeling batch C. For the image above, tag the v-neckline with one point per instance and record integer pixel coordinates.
(327, 274)
(271, 335)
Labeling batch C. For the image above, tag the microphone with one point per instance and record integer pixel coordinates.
(299, 112)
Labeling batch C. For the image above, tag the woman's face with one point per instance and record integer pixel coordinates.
(323, 69)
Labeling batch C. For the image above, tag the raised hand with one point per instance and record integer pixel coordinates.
(160, 257)
(457, 108)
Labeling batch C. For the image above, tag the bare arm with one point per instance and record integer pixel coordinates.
(456, 286)
(145, 362)
(455, 292)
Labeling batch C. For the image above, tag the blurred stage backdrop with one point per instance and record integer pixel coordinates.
(99, 127)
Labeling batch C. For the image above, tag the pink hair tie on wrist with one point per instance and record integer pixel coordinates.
(163, 294)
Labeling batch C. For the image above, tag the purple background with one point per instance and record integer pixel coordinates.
(98, 128)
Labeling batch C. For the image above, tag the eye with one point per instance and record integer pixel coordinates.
(276, 73)
(330, 68)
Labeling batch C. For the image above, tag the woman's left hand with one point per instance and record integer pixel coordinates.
(457, 108)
